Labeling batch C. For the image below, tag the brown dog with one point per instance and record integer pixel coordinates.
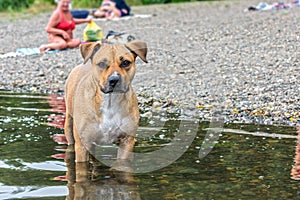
(101, 106)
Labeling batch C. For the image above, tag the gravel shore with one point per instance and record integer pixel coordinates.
(204, 58)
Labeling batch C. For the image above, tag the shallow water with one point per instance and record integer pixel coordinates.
(247, 161)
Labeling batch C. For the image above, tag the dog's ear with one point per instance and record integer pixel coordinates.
(139, 48)
(88, 50)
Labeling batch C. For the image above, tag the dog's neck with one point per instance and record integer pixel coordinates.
(114, 101)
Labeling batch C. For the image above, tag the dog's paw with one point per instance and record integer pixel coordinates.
(122, 165)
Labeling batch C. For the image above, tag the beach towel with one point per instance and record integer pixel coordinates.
(125, 17)
(25, 52)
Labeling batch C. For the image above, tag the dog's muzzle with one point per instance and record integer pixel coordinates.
(113, 80)
(114, 84)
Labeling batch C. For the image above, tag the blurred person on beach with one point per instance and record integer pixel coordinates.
(60, 28)
(112, 9)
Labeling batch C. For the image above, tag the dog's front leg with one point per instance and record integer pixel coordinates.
(125, 156)
(126, 148)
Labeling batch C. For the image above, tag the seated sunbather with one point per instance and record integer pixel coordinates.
(60, 28)
(112, 9)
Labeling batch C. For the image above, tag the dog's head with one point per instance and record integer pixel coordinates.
(114, 65)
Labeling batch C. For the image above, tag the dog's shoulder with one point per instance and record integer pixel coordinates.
(77, 74)
(75, 78)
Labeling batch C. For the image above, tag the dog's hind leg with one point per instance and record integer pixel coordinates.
(81, 153)
(68, 128)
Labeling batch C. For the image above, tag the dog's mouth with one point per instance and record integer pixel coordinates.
(109, 89)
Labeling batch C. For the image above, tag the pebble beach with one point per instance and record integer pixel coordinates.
(203, 58)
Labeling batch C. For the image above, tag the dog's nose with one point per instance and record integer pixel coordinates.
(113, 80)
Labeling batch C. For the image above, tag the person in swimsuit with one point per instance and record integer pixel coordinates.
(60, 28)
(112, 8)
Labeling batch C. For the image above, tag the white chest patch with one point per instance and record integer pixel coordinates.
(116, 120)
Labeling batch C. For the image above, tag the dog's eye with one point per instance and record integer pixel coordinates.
(125, 63)
(102, 65)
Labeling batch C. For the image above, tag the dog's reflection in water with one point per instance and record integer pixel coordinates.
(86, 180)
